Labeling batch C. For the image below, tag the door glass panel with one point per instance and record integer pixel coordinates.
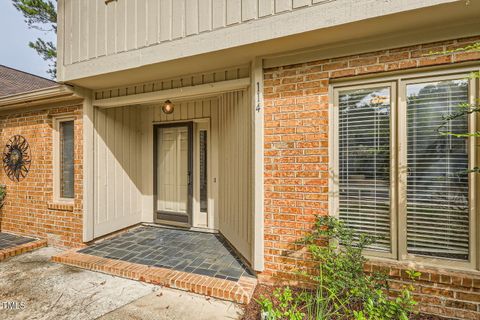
(364, 156)
(203, 172)
(172, 170)
(437, 183)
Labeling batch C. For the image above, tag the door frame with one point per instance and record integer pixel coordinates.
(189, 125)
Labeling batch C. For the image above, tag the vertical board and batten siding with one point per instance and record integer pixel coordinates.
(94, 29)
(117, 195)
(230, 140)
(235, 170)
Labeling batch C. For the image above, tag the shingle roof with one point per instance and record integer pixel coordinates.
(14, 81)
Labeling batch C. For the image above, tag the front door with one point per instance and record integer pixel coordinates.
(174, 174)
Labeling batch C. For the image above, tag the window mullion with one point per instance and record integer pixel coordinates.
(402, 172)
(394, 169)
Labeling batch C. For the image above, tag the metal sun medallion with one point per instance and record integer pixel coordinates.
(16, 158)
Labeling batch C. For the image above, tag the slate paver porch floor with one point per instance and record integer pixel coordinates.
(200, 253)
(8, 240)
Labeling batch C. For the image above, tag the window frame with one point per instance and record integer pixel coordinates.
(57, 159)
(398, 154)
(336, 152)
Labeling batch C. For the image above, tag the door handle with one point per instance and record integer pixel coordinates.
(189, 177)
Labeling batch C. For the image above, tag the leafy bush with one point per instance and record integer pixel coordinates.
(3, 193)
(341, 287)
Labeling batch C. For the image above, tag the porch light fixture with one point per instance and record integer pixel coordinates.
(168, 107)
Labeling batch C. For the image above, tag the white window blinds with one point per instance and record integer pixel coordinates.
(437, 181)
(364, 161)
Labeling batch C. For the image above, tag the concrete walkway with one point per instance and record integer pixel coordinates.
(33, 287)
(170, 304)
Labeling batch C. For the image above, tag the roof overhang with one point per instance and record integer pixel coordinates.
(56, 94)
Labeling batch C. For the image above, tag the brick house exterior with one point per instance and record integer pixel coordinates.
(264, 104)
(297, 166)
(29, 207)
(30, 105)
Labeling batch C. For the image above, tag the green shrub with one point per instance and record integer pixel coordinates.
(341, 287)
(3, 193)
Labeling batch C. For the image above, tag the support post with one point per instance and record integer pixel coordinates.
(258, 163)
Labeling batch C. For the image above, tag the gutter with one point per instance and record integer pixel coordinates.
(38, 97)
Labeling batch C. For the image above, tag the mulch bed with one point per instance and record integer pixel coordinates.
(252, 310)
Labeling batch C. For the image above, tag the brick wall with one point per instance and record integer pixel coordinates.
(451, 294)
(29, 208)
(296, 144)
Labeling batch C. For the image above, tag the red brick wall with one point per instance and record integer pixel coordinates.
(29, 208)
(296, 142)
(451, 294)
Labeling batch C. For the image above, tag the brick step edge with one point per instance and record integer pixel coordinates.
(239, 292)
(23, 248)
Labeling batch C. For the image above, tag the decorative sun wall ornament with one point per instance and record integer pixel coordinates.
(16, 158)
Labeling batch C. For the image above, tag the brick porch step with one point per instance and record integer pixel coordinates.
(22, 248)
(240, 291)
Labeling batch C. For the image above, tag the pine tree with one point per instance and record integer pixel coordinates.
(41, 15)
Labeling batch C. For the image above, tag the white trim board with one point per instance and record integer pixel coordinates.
(172, 94)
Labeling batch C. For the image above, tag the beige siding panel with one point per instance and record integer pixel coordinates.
(301, 3)
(205, 15)
(265, 7)
(111, 32)
(67, 43)
(235, 206)
(75, 7)
(83, 13)
(130, 25)
(101, 212)
(219, 13)
(234, 11)
(249, 10)
(91, 21)
(94, 29)
(165, 20)
(191, 17)
(178, 19)
(152, 22)
(141, 22)
(101, 33)
(117, 192)
(282, 5)
(120, 26)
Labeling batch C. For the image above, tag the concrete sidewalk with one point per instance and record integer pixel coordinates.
(33, 287)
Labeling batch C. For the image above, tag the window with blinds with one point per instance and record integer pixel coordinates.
(437, 179)
(427, 156)
(364, 162)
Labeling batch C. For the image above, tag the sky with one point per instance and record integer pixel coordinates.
(14, 38)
